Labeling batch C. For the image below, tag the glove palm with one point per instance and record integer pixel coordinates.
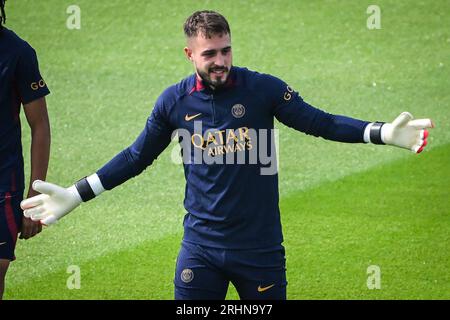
(52, 204)
(404, 132)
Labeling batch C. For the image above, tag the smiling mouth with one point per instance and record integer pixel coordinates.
(219, 72)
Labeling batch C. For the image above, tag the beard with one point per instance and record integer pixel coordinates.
(212, 79)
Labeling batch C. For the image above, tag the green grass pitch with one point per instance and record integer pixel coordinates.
(344, 207)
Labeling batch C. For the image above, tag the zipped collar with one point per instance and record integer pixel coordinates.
(199, 85)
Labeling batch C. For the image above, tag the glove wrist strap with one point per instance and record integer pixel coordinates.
(375, 133)
(84, 189)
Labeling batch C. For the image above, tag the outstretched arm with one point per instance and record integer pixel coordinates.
(290, 109)
(55, 202)
(403, 132)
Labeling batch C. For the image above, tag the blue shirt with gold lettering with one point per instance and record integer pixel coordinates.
(228, 152)
(20, 83)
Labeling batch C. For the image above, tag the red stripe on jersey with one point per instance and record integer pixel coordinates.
(10, 217)
(231, 82)
(198, 85)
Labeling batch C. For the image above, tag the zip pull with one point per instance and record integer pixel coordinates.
(213, 109)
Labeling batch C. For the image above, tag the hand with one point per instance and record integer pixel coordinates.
(52, 204)
(30, 228)
(404, 132)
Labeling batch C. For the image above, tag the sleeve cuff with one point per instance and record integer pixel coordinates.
(96, 184)
(367, 133)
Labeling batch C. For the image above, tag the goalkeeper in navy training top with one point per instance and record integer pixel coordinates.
(223, 113)
(20, 84)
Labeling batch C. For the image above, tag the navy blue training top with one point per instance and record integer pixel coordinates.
(230, 203)
(20, 83)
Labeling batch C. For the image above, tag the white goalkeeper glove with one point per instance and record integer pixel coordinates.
(55, 202)
(403, 132)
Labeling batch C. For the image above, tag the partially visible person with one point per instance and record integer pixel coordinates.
(20, 84)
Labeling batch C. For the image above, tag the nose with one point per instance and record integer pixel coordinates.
(220, 60)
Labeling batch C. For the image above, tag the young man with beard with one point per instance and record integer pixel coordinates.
(232, 229)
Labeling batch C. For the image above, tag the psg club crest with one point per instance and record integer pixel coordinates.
(238, 111)
(187, 275)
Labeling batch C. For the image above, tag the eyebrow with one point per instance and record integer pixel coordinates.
(212, 51)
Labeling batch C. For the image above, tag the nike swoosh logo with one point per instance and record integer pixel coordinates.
(262, 289)
(2, 243)
(189, 118)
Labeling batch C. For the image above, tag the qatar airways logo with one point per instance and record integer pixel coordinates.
(243, 145)
(219, 142)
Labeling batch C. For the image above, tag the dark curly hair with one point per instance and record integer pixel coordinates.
(2, 13)
(209, 23)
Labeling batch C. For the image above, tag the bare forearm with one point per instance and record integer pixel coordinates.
(40, 153)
